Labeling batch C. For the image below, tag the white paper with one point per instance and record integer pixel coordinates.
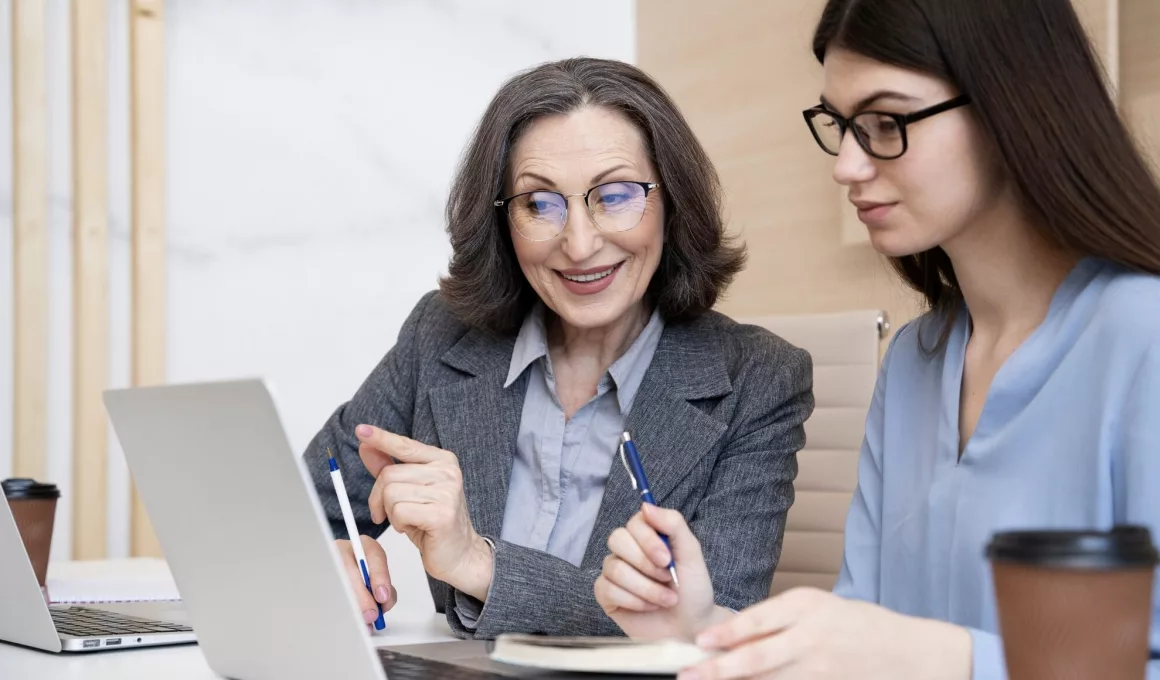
(133, 580)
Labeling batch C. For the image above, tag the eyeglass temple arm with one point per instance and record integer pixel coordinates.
(958, 101)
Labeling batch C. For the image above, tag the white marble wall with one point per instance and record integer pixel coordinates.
(311, 145)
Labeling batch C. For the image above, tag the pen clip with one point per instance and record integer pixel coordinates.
(624, 462)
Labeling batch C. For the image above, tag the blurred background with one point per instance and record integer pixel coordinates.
(208, 189)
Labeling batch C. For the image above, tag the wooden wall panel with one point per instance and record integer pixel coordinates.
(147, 110)
(90, 342)
(1140, 73)
(30, 240)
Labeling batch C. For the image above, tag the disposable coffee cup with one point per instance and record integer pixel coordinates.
(33, 506)
(1074, 604)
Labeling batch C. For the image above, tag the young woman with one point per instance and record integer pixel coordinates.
(987, 160)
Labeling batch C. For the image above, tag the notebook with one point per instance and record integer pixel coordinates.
(596, 654)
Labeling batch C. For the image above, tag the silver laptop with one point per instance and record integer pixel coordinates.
(243, 532)
(26, 619)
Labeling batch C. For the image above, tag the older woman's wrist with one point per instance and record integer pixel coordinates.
(475, 572)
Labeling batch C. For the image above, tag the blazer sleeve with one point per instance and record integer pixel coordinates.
(739, 520)
(385, 399)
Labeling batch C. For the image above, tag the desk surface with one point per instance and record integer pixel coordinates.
(412, 621)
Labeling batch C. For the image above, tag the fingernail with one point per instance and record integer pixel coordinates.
(671, 599)
(662, 557)
(364, 430)
(706, 640)
(381, 594)
(370, 615)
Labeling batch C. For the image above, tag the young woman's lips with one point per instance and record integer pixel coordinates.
(873, 214)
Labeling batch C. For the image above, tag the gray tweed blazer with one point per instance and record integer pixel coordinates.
(718, 421)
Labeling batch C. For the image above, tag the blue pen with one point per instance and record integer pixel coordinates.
(352, 532)
(631, 460)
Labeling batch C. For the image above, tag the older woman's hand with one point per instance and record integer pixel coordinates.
(423, 498)
(809, 633)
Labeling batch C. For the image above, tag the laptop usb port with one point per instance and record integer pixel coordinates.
(112, 642)
(89, 644)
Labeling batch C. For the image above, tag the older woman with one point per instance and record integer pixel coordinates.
(588, 251)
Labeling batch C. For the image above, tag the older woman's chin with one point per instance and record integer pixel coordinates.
(593, 311)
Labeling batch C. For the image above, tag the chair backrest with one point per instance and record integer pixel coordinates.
(845, 348)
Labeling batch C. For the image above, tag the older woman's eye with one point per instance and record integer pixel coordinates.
(539, 206)
(614, 199)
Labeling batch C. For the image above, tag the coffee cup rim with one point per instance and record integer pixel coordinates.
(24, 488)
(1122, 547)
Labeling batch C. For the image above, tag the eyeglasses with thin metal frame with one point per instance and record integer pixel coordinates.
(882, 135)
(541, 215)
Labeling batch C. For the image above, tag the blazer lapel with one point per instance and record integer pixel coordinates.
(478, 420)
(672, 435)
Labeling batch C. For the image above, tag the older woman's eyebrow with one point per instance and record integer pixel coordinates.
(541, 181)
(546, 183)
(601, 176)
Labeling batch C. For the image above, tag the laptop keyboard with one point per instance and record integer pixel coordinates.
(86, 622)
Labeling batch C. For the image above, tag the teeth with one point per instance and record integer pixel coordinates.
(585, 278)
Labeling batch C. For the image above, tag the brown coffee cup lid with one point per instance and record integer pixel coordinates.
(1123, 547)
(24, 488)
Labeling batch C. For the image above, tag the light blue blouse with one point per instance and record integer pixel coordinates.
(1069, 437)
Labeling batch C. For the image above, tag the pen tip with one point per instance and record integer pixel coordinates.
(676, 581)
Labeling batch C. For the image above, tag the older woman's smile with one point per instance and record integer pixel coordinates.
(588, 281)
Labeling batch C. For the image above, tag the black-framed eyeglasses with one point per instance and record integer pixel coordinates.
(880, 134)
(613, 206)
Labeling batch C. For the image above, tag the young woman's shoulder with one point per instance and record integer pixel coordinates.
(1128, 311)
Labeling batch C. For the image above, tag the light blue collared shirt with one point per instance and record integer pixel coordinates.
(561, 465)
(1069, 437)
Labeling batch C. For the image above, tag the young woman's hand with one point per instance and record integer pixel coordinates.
(635, 588)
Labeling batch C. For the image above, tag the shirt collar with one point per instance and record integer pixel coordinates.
(627, 372)
(531, 344)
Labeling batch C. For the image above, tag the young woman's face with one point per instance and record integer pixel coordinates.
(945, 182)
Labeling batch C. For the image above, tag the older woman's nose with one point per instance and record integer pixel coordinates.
(581, 239)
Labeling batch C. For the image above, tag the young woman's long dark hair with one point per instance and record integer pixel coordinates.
(1038, 92)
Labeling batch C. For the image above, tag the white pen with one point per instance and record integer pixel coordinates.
(352, 532)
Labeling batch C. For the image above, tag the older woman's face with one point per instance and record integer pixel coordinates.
(588, 276)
